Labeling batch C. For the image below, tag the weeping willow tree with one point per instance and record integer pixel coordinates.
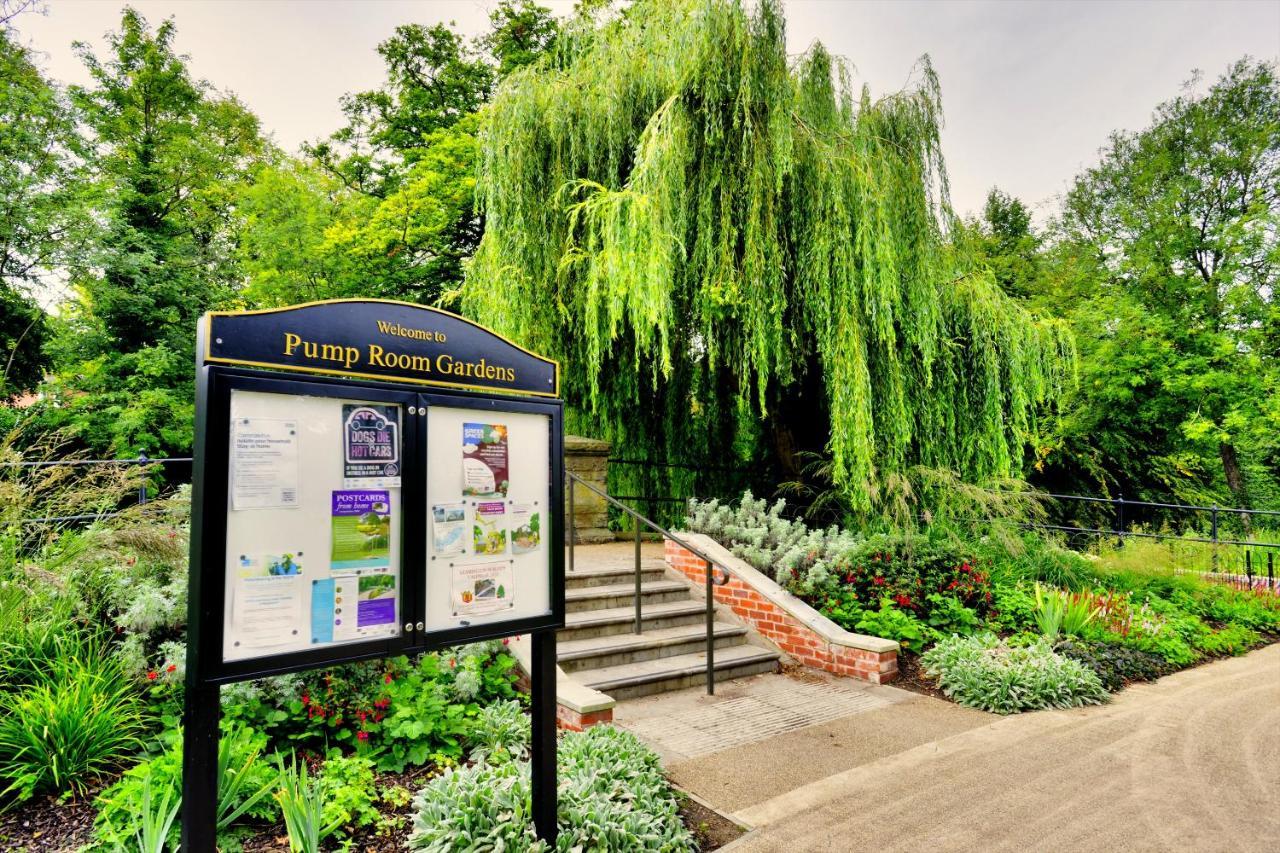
(727, 249)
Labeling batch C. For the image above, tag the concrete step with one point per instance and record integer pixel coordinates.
(643, 678)
(585, 577)
(585, 624)
(623, 595)
(596, 652)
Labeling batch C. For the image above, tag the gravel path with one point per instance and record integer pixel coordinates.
(1191, 762)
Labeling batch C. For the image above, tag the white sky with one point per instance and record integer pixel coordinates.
(1030, 89)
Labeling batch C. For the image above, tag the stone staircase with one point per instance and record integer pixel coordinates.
(599, 649)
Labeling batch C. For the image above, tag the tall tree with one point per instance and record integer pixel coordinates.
(168, 152)
(41, 208)
(1178, 228)
(687, 219)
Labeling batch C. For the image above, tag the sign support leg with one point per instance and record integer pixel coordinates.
(543, 765)
(200, 769)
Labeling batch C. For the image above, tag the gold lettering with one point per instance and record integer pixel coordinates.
(291, 342)
(375, 355)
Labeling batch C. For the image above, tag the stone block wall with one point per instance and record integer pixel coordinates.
(588, 458)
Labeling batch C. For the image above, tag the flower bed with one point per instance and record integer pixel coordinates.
(1029, 618)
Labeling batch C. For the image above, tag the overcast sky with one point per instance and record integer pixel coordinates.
(1030, 89)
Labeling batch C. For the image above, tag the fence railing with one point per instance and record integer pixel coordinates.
(143, 487)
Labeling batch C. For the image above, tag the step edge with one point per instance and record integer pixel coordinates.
(727, 630)
(604, 686)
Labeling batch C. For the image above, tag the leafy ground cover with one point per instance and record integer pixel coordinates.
(92, 639)
(1000, 623)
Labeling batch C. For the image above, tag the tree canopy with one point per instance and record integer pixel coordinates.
(699, 228)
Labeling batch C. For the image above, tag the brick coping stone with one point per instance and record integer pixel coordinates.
(794, 627)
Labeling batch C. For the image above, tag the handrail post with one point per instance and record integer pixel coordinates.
(573, 530)
(638, 529)
(711, 634)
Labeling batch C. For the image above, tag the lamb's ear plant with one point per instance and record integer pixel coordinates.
(155, 821)
(301, 798)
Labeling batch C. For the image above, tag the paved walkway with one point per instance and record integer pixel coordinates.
(1191, 762)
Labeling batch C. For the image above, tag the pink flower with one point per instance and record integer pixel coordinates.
(362, 735)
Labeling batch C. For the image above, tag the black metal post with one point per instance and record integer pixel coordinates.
(1248, 567)
(1214, 517)
(573, 530)
(543, 756)
(1271, 574)
(1119, 505)
(711, 633)
(638, 528)
(200, 767)
(142, 490)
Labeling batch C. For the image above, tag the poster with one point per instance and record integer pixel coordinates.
(266, 600)
(489, 532)
(526, 529)
(353, 607)
(484, 460)
(483, 588)
(264, 463)
(370, 446)
(360, 530)
(448, 529)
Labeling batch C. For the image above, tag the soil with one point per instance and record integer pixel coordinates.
(911, 677)
(49, 825)
(710, 829)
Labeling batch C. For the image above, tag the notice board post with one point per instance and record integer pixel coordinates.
(371, 479)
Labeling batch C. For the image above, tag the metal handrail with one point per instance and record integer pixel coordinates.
(711, 565)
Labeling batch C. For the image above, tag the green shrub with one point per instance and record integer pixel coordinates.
(892, 623)
(244, 781)
(501, 733)
(987, 673)
(1116, 665)
(1231, 640)
(613, 796)
(1050, 606)
(349, 791)
(78, 719)
(1012, 608)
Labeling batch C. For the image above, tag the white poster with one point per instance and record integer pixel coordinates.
(266, 607)
(448, 529)
(264, 463)
(483, 588)
(526, 529)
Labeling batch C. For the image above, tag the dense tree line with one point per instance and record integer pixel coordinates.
(741, 260)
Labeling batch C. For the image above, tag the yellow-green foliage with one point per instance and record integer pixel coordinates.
(680, 215)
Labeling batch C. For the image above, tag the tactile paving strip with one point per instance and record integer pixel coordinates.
(771, 706)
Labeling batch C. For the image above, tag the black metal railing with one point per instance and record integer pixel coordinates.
(143, 487)
(640, 523)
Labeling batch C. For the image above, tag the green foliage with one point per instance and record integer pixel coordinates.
(155, 820)
(1166, 263)
(613, 796)
(244, 781)
(301, 797)
(73, 724)
(501, 733)
(643, 199)
(1231, 640)
(1013, 609)
(1056, 610)
(891, 623)
(349, 793)
(1116, 665)
(987, 673)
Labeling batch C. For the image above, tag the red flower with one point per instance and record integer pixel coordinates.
(453, 662)
(362, 735)
(506, 640)
(878, 581)
(306, 699)
(152, 675)
(387, 679)
(171, 667)
(903, 600)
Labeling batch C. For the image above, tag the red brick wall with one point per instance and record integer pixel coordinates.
(570, 720)
(784, 630)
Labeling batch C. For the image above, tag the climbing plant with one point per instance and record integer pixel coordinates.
(726, 248)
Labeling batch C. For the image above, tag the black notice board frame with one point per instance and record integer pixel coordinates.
(206, 669)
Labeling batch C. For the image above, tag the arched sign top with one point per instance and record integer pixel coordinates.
(378, 339)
